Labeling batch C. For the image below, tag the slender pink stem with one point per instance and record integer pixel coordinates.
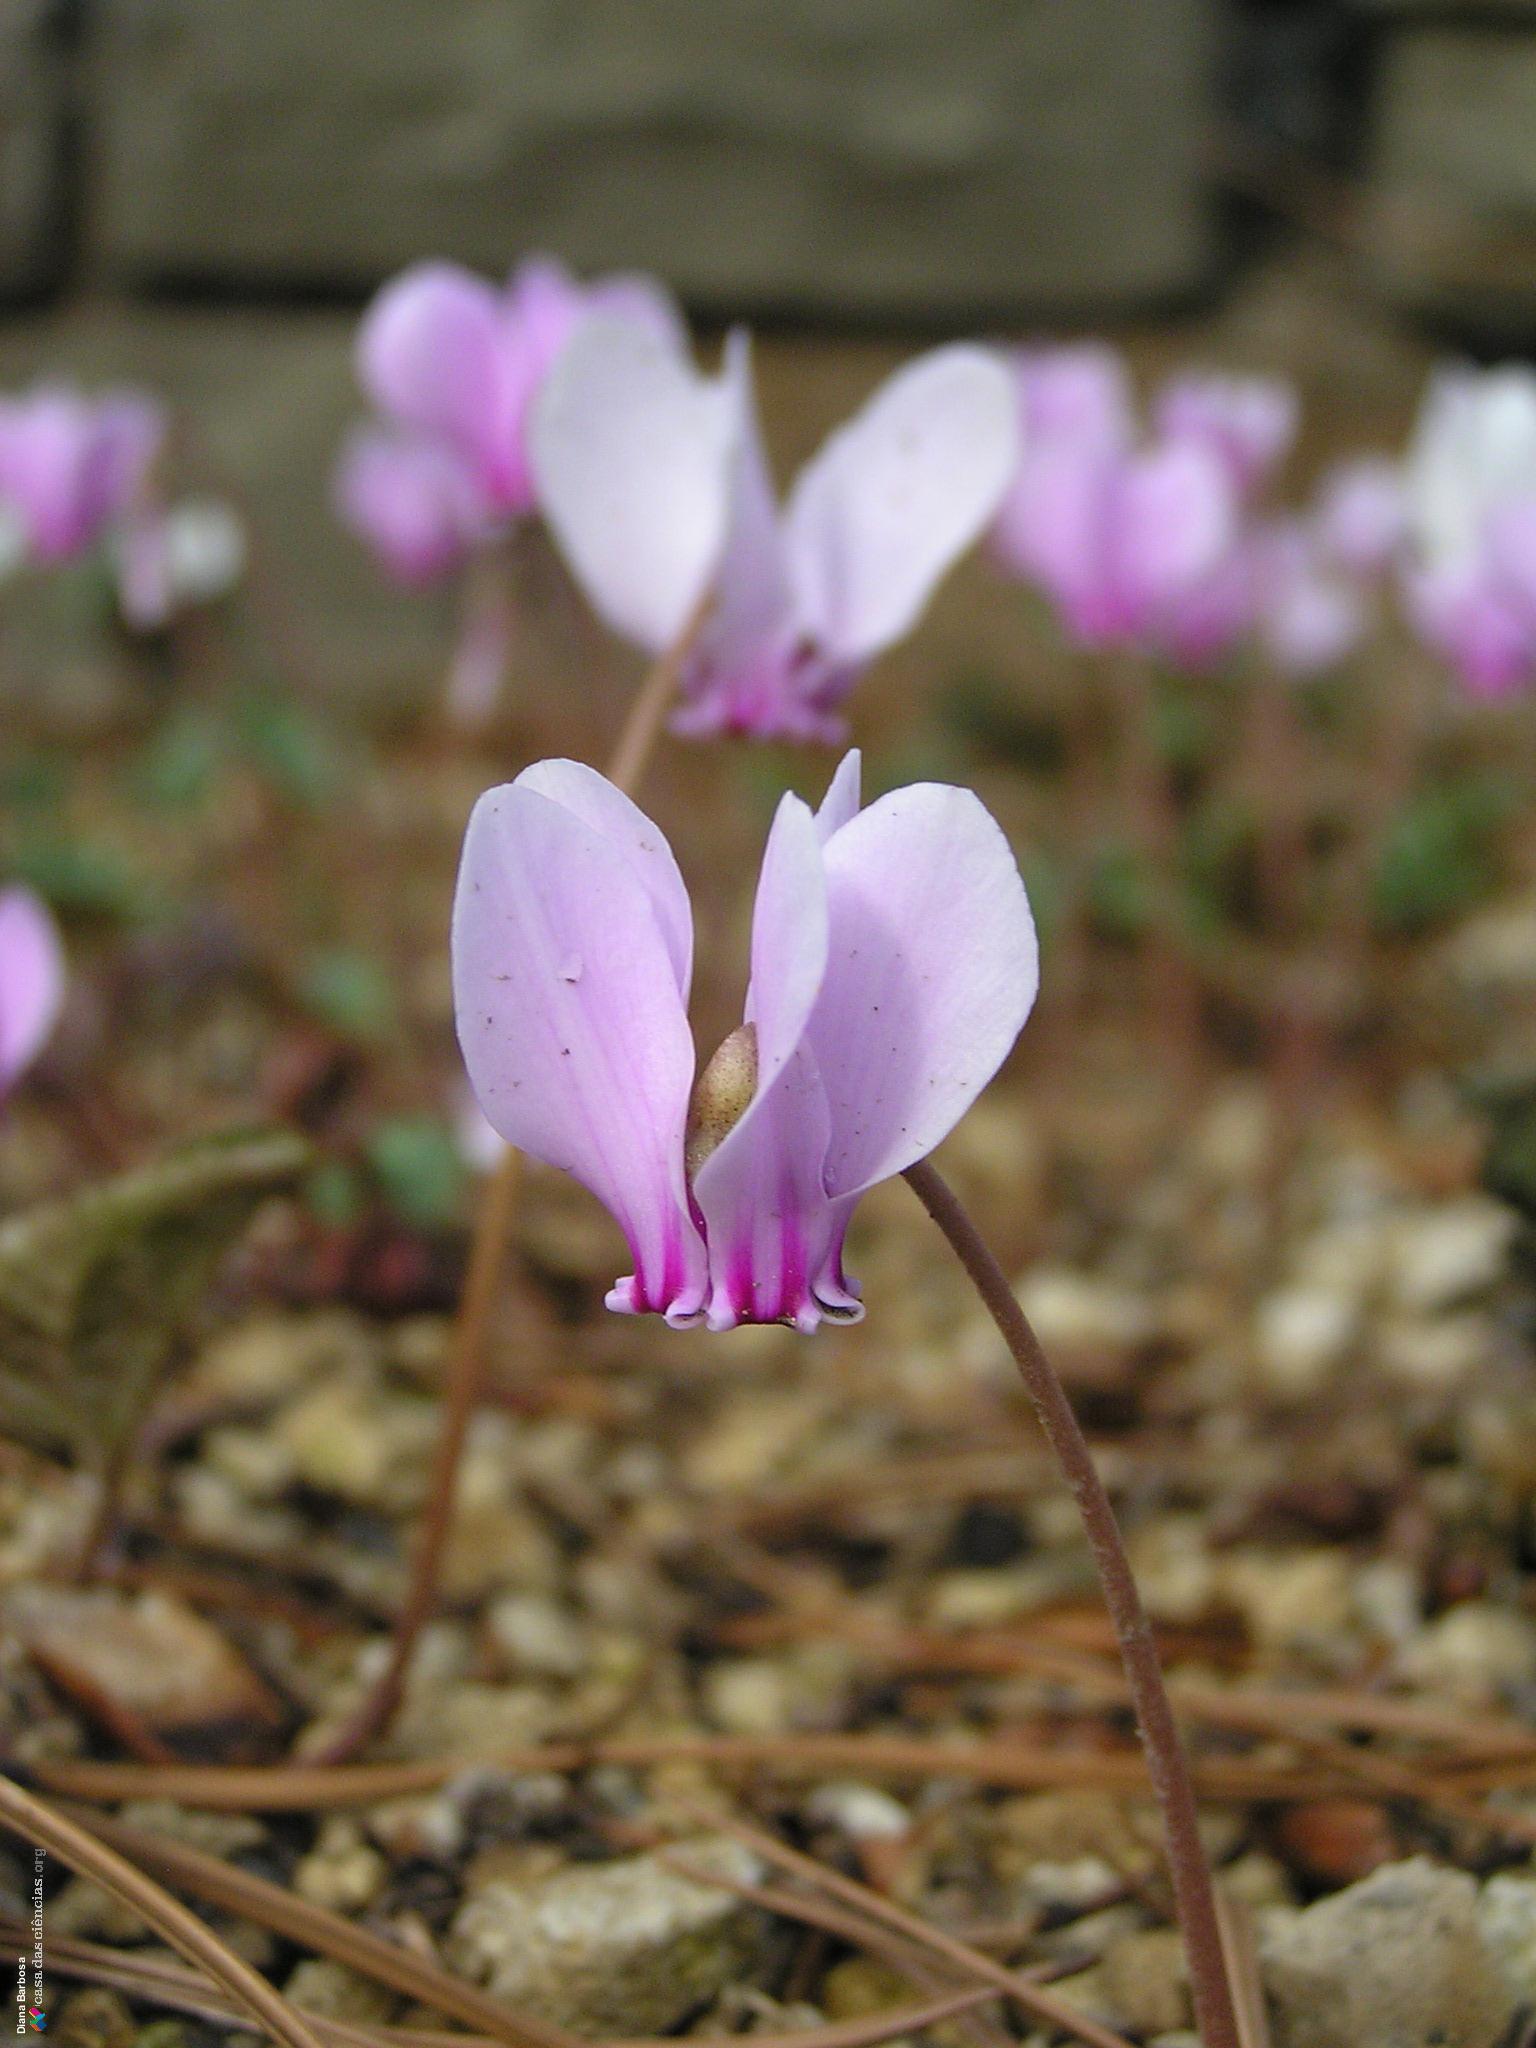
(1193, 1889)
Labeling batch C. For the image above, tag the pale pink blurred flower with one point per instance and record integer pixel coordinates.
(1361, 514)
(1310, 614)
(72, 466)
(31, 981)
(449, 356)
(1471, 472)
(1249, 422)
(414, 500)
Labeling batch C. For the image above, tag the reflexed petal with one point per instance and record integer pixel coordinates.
(767, 1219)
(573, 1028)
(897, 495)
(31, 980)
(597, 801)
(430, 354)
(932, 968)
(843, 796)
(630, 450)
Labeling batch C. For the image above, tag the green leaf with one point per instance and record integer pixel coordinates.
(34, 782)
(420, 1169)
(290, 749)
(1441, 855)
(350, 993)
(332, 1194)
(1120, 894)
(85, 876)
(178, 767)
(96, 1290)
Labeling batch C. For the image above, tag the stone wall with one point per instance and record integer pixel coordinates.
(1449, 222)
(878, 158)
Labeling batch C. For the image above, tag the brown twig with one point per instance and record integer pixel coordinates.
(36, 1822)
(1172, 1785)
(907, 1958)
(1021, 1988)
(470, 1342)
(167, 1984)
(240, 1891)
(1005, 1765)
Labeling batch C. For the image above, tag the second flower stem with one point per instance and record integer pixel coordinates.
(1193, 1888)
(469, 1344)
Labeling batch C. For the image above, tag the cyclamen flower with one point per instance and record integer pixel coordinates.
(175, 558)
(1309, 614)
(455, 361)
(655, 486)
(1470, 479)
(1361, 514)
(1134, 546)
(1248, 422)
(893, 963)
(71, 466)
(31, 982)
(414, 501)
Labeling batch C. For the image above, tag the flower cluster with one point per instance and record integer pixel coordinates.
(1162, 537)
(80, 472)
(582, 403)
(453, 365)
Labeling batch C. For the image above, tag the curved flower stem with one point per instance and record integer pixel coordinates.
(469, 1343)
(182, 1930)
(1193, 1889)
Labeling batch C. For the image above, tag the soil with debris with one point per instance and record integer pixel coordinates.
(770, 1692)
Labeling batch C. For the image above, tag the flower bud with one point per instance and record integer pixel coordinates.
(721, 1095)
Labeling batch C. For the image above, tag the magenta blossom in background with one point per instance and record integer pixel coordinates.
(1134, 546)
(655, 486)
(893, 963)
(31, 982)
(414, 501)
(450, 358)
(72, 466)
(1249, 422)
(1361, 514)
(1080, 391)
(1309, 613)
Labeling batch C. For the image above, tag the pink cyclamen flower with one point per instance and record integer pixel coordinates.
(655, 486)
(1309, 614)
(1471, 471)
(1361, 514)
(31, 981)
(448, 356)
(1134, 546)
(1249, 422)
(1080, 391)
(73, 466)
(415, 501)
(893, 963)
